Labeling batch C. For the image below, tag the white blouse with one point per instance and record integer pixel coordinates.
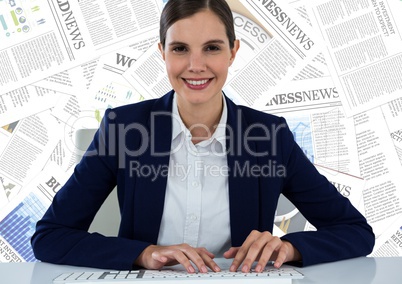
(196, 209)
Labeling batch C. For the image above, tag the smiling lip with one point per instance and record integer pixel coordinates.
(198, 84)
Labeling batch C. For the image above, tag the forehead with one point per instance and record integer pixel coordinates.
(204, 25)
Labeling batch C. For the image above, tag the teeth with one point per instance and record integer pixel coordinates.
(197, 83)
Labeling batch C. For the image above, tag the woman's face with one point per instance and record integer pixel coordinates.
(197, 56)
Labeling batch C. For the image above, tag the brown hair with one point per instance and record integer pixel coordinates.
(175, 10)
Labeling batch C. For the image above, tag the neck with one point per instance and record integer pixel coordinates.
(201, 119)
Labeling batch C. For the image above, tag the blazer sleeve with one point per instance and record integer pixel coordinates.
(61, 235)
(342, 231)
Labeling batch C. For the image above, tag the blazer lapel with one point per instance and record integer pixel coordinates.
(243, 185)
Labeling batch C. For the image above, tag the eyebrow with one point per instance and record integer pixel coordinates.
(213, 41)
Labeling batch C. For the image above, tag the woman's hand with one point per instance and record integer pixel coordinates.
(261, 247)
(155, 257)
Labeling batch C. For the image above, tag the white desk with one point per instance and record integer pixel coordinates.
(354, 271)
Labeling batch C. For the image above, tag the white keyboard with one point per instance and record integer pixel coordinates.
(282, 275)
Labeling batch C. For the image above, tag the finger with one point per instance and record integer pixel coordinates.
(193, 255)
(242, 251)
(208, 259)
(231, 253)
(183, 257)
(256, 249)
(173, 254)
(282, 256)
(237, 259)
(268, 253)
(271, 252)
(263, 260)
(158, 256)
(210, 254)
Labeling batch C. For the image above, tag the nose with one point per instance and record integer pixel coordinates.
(197, 62)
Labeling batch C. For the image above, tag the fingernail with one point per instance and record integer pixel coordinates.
(204, 269)
(232, 268)
(244, 268)
(258, 268)
(217, 268)
(190, 269)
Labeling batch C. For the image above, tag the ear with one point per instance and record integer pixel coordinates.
(234, 50)
(160, 47)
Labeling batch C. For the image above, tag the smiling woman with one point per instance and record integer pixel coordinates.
(205, 181)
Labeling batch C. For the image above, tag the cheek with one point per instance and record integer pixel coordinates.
(221, 68)
(173, 68)
(220, 64)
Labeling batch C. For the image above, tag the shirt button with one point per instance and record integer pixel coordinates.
(193, 217)
(194, 183)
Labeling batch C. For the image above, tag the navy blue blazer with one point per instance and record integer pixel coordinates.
(263, 159)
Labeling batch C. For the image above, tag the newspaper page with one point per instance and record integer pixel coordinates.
(148, 74)
(18, 219)
(109, 88)
(73, 81)
(62, 156)
(73, 113)
(317, 67)
(389, 244)
(380, 167)
(20, 103)
(314, 113)
(45, 37)
(291, 47)
(363, 49)
(27, 146)
(393, 116)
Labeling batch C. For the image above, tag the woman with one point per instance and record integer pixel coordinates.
(191, 170)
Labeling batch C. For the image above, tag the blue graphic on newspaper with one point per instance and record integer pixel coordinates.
(17, 228)
(301, 129)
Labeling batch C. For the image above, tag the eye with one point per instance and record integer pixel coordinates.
(212, 48)
(179, 49)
